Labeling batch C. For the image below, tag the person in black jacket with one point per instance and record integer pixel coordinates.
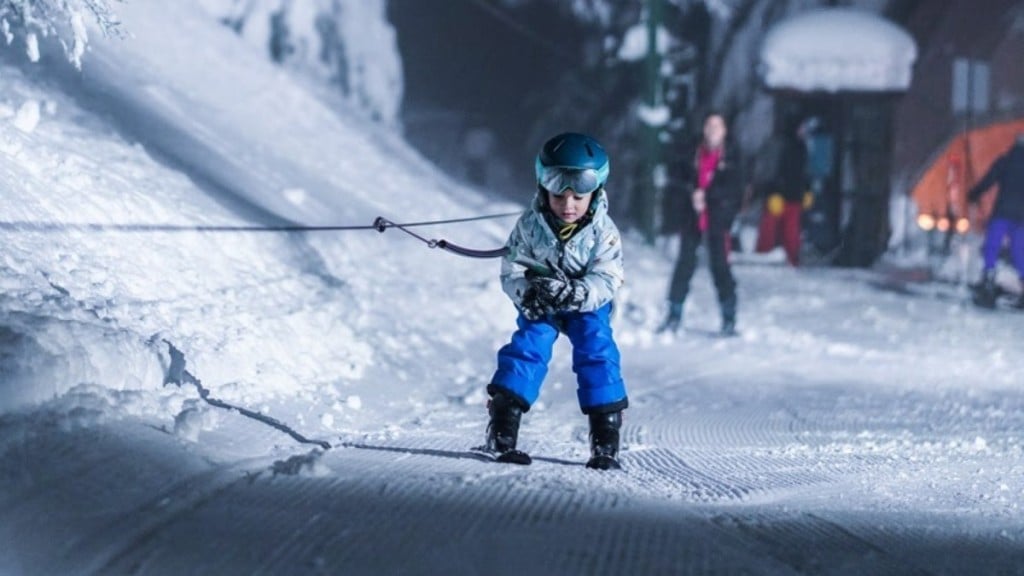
(712, 180)
(785, 205)
(1007, 220)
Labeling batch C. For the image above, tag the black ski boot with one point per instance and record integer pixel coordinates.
(604, 441)
(729, 317)
(503, 429)
(986, 292)
(674, 319)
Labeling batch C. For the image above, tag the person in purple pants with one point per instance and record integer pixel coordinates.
(1007, 221)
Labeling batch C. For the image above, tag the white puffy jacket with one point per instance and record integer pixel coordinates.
(593, 254)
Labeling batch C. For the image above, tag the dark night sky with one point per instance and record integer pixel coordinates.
(460, 57)
(455, 52)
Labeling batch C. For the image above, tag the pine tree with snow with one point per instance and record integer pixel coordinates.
(64, 20)
(348, 45)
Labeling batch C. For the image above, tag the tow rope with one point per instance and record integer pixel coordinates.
(381, 224)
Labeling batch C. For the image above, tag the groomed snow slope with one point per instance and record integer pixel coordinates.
(851, 429)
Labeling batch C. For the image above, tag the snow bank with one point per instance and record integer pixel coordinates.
(82, 307)
(259, 317)
(838, 49)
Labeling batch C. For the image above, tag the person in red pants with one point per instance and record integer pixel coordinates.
(784, 207)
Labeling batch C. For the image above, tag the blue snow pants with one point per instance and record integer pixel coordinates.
(523, 362)
(998, 230)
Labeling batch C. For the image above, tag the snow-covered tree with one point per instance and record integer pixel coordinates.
(720, 40)
(64, 20)
(346, 43)
(710, 50)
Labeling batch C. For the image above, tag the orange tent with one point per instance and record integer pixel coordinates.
(941, 193)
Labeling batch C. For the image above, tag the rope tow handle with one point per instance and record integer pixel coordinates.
(381, 224)
(471, 253)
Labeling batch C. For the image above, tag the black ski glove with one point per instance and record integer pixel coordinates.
(559, 292)
(532, 306)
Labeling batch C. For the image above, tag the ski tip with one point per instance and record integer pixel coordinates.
(514, 457)
(604, 463)
(510, 457)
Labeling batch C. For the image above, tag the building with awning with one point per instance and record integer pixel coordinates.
(940, 194)
(845, 68)
(963, 110)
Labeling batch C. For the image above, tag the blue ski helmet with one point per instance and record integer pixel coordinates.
(572, 161)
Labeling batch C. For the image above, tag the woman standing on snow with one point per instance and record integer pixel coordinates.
(712, 179)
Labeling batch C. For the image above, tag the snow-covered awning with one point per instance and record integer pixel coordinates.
(838, 49)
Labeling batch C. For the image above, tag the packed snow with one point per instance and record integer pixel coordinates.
(636, 42)
(838, 49)
(861, 423)
(654, 115)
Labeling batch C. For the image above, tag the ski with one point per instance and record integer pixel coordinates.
(1001, 299)
(514, 457)
(982, 299)
(603, 462)
(510, 457)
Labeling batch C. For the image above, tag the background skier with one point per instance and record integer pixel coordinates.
(1006, 221)
(785, 205)
(711, 177)
(563, 269)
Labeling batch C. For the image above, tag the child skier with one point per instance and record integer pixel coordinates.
(563, 269)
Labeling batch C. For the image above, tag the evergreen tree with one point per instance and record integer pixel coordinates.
(64, 20)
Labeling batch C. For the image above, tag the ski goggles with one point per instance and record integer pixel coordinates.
(557, 179)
